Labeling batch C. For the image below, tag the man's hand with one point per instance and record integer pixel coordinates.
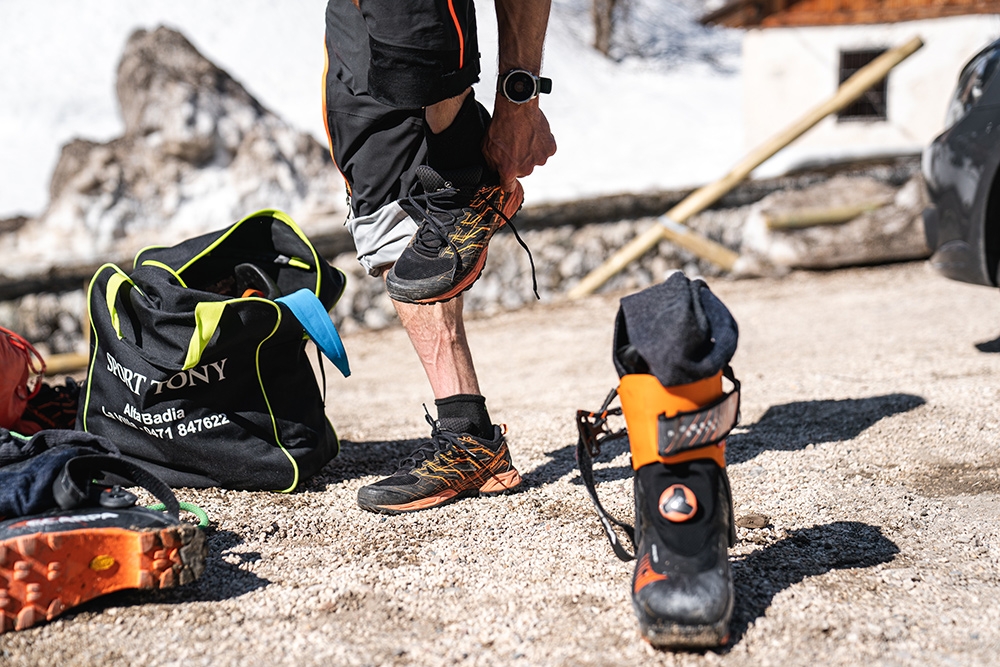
(517, 141)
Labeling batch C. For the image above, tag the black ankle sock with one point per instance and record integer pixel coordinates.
(465, 413)
(459, 146)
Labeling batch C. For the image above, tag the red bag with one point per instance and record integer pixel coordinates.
(21, 371)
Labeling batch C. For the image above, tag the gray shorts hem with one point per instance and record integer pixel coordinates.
(381, 236)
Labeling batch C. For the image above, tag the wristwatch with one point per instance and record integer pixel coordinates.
(520, 85)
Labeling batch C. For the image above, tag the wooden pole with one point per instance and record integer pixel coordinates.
(812, 217)
(70, 362)
(670, 226)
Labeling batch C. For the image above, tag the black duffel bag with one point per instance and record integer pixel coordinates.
(198, 364)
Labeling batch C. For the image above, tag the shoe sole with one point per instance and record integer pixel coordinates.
(461, 286)
(501, 484)
(669, 635)
(469, 281)
(44, 574)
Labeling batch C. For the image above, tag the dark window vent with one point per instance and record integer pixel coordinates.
(871, 105)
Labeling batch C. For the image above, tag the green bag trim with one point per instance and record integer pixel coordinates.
(168, 269)
(93, 327)
(135, 262)
(114, 285)
(207, 316)
(267, 402)
(281, 216)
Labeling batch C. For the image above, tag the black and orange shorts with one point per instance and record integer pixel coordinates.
(385, 61)
(406, 54)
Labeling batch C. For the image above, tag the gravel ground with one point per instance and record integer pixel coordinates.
(869, 442)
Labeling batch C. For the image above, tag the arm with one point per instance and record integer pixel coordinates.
(519, 138)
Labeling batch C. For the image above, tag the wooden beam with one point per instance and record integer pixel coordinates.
(873, 15)
(71, 362)
(811, 217)
(671, 223)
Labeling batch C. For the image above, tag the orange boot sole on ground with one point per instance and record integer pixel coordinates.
(52, 562)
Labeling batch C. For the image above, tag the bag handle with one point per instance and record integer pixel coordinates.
(111, 290)
(207, 314)
(311, 314)
(304, 304)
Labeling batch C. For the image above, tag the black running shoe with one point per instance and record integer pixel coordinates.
(53, 407)
(457, 217)
(682, 588)
(58, 560)
(447, 467)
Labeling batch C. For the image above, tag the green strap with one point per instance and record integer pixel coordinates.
(187, 507)
(207, 316)
(168, 269)
(114, 285)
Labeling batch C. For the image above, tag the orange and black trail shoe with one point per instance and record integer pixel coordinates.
(52, 562)
(682, 588)
(447, 467)
(457, 217)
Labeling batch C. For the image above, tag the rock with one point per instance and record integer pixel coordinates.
(892, 231)
(753, 520)
(198, 153)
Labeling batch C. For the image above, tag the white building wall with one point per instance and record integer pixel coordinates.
(789, 71)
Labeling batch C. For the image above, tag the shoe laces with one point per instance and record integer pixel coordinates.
(440, 220)
(439, 442)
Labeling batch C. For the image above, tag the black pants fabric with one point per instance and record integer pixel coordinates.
(385, 62)
(29, 466)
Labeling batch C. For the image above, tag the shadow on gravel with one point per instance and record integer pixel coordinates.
(563, 461)
(360, 459)
(787, 427)
(792, 426)
(989, 345)
(806, 552)
(221, 580)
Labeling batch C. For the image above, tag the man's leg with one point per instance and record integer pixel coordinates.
(380, 147)
(466, 455)
(440, 116)
(438, 336)
(437, 331)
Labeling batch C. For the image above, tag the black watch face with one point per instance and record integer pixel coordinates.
(519, 87)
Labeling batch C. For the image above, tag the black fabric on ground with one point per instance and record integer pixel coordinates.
(14, 449)
(28, 467)
(465, 413)
(677, 331)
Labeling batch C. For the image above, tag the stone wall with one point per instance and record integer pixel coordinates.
(562, 255)
(565, 253)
